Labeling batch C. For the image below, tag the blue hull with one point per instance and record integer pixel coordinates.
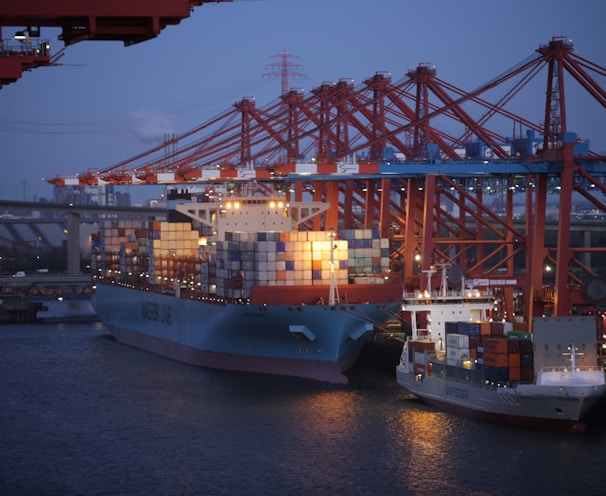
(312, 341)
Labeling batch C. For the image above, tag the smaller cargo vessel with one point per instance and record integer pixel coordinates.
(466, 364)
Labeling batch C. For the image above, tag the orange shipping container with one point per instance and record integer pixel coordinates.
(514, 373)
(485, 329)
(514, 360)
(496, 345)
(496, 359)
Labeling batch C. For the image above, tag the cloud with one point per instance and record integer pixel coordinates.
(152, 125)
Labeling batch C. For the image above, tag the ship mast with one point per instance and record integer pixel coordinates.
(573, 358)
(430, 272)
(444, 285)
(333, 295)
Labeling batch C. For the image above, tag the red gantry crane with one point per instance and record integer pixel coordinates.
(131, 22)
(435, 168)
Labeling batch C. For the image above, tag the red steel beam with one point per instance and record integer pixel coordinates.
(130, 21)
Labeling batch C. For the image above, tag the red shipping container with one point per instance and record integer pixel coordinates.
(513, 345)
(419, 369)
(423, 346)
(525, 346)
(497, 329)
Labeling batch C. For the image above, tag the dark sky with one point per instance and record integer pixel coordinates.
(108, 102)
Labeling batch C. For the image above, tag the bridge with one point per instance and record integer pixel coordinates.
(73, 215)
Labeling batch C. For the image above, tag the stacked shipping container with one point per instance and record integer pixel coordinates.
(492, 347)
(508, 359)
(160, 253)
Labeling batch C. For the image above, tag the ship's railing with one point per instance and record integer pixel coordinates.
(9, 47)
(451, 294)
(459, 374)
(189, 294)
(578, 368)
(471, 377)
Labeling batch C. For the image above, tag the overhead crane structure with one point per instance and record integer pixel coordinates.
(131, 22)
(420, 160)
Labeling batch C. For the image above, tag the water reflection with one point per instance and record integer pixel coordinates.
(428, 446)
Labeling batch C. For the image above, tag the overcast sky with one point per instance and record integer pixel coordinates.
(108, 102)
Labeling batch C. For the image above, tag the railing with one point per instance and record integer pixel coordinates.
(185, 293)
(452, 294)
(578, 368)
(474, 377)
(9, 48)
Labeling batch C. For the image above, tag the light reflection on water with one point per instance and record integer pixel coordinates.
(83, 414)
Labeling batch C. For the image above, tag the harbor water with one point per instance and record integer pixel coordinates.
(83, 414)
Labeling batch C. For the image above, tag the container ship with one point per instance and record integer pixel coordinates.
(234, 283)
(460, 361)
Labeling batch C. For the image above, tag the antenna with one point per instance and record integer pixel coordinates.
(284, 69)
(333, 294)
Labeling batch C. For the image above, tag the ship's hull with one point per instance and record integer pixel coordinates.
(313, 341)
(527, 405)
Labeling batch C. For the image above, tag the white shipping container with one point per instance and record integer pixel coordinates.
(457, 353)
(458, 341)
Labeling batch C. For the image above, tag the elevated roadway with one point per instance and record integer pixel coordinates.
(75, 214)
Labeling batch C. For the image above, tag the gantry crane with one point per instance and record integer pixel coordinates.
(131, 22)
(412, 159)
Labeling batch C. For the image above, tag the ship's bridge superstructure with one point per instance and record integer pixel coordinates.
(251, 214)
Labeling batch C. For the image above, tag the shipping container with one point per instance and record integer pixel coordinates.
(468, 328)
(496, 374)
(495, 345)
(458, 341)
(496, 359)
